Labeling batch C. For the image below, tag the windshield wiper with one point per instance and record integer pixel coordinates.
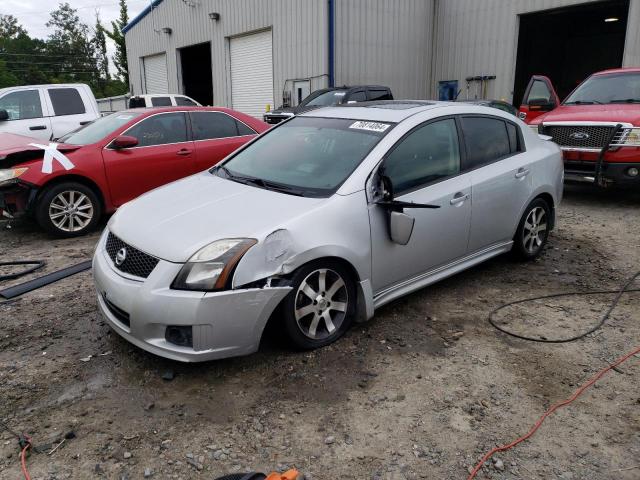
(583, 102)
(625, 100)
(259, 182)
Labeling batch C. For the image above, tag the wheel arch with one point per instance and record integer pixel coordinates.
(547, 197)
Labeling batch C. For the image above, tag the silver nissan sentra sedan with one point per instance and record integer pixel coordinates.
(321, 220)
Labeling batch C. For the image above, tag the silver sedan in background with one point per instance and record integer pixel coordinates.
(321, 220)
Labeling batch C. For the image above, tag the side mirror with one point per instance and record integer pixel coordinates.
(4, 115)
(124, 141)
(541, 105)
(400, 224)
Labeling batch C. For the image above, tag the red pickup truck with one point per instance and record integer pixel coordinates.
(597, 126)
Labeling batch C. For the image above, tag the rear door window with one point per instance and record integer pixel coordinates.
(161, 101)
(22, 105)
(486, 140)
(160, 129)
(211, 125)
(66, 101)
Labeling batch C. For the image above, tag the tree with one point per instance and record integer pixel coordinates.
(100, 47)
(9, 28)
(120, 57)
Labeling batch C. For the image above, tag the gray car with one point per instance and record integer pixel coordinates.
(321, 220)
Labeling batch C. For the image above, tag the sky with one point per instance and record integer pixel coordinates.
(34, 14)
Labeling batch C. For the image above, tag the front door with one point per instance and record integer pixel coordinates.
(423, 167)
(26, 113)
(539, 97)
(163, 154)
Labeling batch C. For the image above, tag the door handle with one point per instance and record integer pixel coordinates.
(183, 151)
(522, 172)
(459, 198)
(38, 127)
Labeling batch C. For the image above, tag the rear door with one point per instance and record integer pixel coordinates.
(539, 97)
(500, 177)
(27, 113)
(70, 109)
(216, 135)
(164, 153)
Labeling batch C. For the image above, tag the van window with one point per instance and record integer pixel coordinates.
(161, 101)
(486, 140)
(427, 154)
(185, 102)
(22, 105)
(66, 101)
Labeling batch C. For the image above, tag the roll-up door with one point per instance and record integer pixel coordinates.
(155, 74)
(252, 73)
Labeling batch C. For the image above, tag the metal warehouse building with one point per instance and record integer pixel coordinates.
(247, 54)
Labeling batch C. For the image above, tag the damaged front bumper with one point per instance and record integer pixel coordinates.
(144, 311)
(16, 199)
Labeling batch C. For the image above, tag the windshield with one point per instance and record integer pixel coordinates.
(98, 129)
(613, 88)
(305, 156)
(326, 99)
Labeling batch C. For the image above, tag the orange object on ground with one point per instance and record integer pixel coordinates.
(292, 474)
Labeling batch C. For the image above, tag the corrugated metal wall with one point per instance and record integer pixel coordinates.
(299, 39)
(388, 42)
(476, 37)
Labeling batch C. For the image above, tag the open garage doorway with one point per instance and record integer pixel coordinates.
(195, 64)
(569, 44)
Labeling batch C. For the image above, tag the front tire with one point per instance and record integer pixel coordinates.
(533, 230)
(68, 209)
(321, 306)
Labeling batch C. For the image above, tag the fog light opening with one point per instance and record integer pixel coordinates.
(179, 335)
(633, 172)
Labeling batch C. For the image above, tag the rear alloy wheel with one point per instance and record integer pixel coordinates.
(533, 230)
(68, 210)
(321, 306)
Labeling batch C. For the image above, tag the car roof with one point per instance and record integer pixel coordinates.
(383, 110)
(619, 70)
(177, 108)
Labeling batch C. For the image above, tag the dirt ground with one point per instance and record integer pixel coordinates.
(421, 391)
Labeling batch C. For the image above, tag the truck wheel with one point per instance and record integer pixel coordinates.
(533, 230)
(321, 306)
(68, 209)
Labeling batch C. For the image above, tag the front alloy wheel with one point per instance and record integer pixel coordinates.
(68, 209)
(321, 305)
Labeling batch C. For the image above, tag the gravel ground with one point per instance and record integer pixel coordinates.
(421, 391)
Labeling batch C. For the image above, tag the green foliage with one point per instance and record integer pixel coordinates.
(73, 53)
(120, 58)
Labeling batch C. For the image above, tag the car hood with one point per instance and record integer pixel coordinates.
(15, 149)
(629, 113)
(175, 221)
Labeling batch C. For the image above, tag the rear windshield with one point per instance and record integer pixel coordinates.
(311, 156)
(611, 88)
(326, 99)
(98, 129)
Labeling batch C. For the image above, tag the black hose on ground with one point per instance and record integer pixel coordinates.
(36, 265)
(625, 289)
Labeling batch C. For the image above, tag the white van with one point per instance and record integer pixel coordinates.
(46, 111)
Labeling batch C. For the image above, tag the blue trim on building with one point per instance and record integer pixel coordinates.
(141, 15)
(331, 34)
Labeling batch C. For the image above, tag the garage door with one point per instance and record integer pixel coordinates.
(252, 73)
(155, 74)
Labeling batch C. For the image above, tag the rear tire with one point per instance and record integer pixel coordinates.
(321, 306)
(533, 230)
(68, 209)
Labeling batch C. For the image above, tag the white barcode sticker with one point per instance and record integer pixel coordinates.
(371, 126)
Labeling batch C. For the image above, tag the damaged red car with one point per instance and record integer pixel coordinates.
(66, 186)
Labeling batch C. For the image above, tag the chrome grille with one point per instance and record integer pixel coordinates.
(579, 136)
(136, 263)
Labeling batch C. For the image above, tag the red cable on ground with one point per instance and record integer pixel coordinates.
(555, 407)
(23, 459)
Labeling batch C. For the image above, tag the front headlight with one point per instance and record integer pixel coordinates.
(210, 267)
(627, 137)
(10, 175)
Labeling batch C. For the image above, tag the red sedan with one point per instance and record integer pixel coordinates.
(67, 185)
